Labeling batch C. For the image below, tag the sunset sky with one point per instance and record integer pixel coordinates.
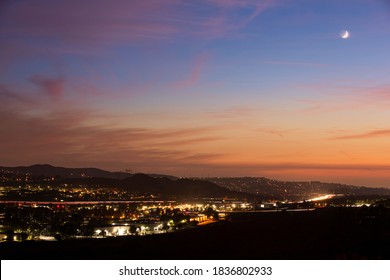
(199, 88)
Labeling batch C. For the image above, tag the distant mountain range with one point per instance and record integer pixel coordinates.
(164, 186)
(47, 170)
(170, 186)
(293, 190)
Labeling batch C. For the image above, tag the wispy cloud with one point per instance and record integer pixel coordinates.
(334, 97)
(369, 134)
(189, 142)
(233, 112)
(195, 74)
(7, 95)
(255, 8)
(375, 93)
(53, 87)
(347, 155)
(295, 63)
(275, 131)
(312, 166)
(11, 99)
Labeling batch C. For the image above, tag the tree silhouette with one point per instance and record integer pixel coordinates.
(10, 235)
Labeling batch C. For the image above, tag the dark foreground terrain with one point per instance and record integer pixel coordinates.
(332, 233)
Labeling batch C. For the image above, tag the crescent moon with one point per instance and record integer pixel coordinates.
(344, 34)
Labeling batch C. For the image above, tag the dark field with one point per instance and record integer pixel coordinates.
(330, 233)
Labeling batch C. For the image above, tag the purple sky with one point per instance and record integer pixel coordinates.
(199, 88)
